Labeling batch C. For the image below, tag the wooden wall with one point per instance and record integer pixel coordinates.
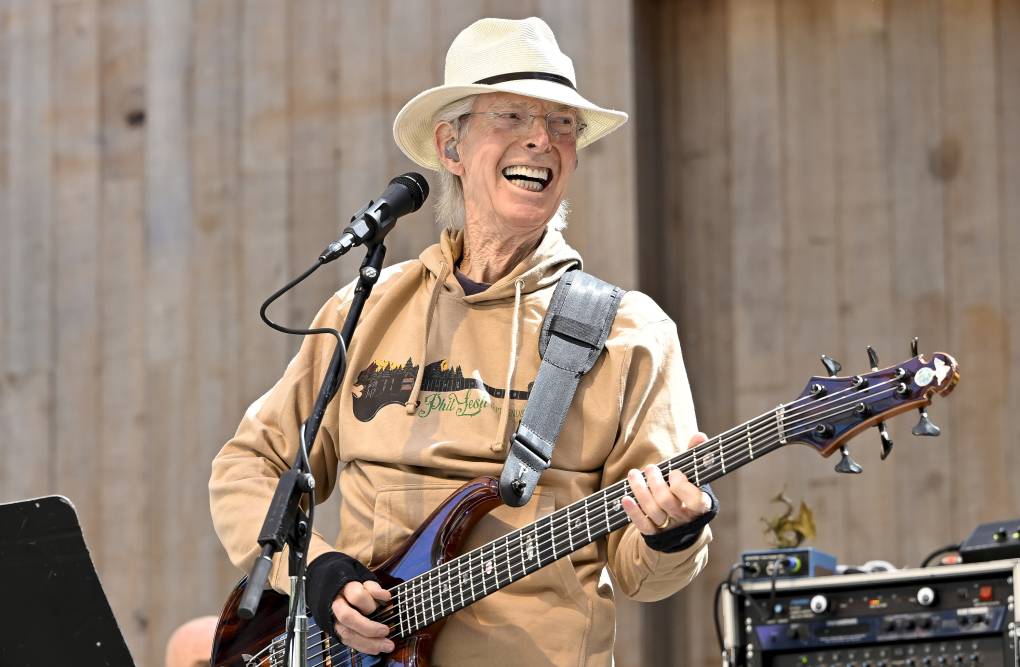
(808, 176)
(166, 165)
(838, 173)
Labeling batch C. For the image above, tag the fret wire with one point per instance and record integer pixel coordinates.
(506, 558)
(400, 617)
(461, 583)
(432, 598)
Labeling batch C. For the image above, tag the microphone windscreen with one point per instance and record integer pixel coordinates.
(417, 187)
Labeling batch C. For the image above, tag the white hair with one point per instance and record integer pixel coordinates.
(449, 204)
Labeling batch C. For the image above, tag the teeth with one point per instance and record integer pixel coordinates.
(531, 172)
(528, 185)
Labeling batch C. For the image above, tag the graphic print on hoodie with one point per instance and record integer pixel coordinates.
(444, 388)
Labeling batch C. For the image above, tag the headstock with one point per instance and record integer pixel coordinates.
(833, 409)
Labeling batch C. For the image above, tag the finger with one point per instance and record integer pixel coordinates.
(695, 501)
(367, 645)
(697, 439)
(377, 591)
(357, 594)
(637, 517)
(353, 619)
(639, 489)
(663, 494)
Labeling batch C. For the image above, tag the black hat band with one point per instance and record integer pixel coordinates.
(514, 76)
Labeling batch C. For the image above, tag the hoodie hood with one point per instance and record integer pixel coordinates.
(542, 268)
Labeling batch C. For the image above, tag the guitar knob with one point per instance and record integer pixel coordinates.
(846, 463)
(924, 426)
(831, 365)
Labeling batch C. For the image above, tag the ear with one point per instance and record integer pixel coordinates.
(444, 134)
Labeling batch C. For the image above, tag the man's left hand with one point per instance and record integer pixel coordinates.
(658, 505)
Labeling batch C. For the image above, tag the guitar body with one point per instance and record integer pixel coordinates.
(240, 643)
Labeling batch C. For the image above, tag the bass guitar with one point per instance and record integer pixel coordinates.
(430, 579)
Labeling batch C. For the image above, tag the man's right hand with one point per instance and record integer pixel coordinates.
(350, 610)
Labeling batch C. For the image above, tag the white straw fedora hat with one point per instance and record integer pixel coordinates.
(500, 55)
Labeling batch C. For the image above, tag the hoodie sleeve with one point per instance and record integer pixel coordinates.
(656, 421)
(246, 470)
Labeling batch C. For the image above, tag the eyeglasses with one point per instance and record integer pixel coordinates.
(563, 126)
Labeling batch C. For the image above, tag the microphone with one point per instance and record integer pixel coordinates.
(405, 194)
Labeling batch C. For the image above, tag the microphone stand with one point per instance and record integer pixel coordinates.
(285, 521)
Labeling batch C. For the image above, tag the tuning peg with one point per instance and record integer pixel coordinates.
(925, 426)
(831, 365)
(846, 463)
(887, 445)
(873, 358)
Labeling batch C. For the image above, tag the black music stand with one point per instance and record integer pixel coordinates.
(55, 612)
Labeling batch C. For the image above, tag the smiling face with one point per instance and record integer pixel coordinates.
(513, 179)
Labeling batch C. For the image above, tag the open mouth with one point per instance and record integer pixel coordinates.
(534, 179)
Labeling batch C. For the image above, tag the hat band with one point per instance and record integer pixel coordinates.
(514, 76)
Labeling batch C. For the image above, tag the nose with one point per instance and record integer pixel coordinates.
(537, 137)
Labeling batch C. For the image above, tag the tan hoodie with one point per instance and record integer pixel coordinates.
(422, 410)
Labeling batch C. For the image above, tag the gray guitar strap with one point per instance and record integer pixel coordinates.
(573, 334)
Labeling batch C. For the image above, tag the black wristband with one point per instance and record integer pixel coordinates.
(684, 537)
(326, 577)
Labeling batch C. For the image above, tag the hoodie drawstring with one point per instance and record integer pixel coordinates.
(504, 416)
(412, 402)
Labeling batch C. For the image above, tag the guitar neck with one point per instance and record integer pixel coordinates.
(468, 578)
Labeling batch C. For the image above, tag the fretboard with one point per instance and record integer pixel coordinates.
(461, 581)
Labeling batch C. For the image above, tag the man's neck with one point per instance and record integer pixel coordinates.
(487, 257)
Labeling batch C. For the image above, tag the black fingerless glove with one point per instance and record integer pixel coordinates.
(684, 537)
(326, 577)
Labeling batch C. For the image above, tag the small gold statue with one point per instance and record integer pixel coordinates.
(787, 531)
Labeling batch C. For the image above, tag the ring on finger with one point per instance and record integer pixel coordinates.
(664, 524)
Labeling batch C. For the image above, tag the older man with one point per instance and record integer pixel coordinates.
(437, 333)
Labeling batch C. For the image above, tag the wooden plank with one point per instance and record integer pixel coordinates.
(264, 187)
(168, 214)
(122, 548)
(363, 121)
(409, 54)
(865, 262)
(76, 268)
(28, 388)
(698, 262)
(813, 284)
(7, 460)
(974, 276)
(922, 467)
(607, 231)
(756, 207)
(213, 361)
(1008, 86)
(312, 110)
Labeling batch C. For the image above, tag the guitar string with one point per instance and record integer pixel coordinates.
(601, 508)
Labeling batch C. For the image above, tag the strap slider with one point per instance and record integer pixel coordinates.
(524, 437)
(575, 330)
